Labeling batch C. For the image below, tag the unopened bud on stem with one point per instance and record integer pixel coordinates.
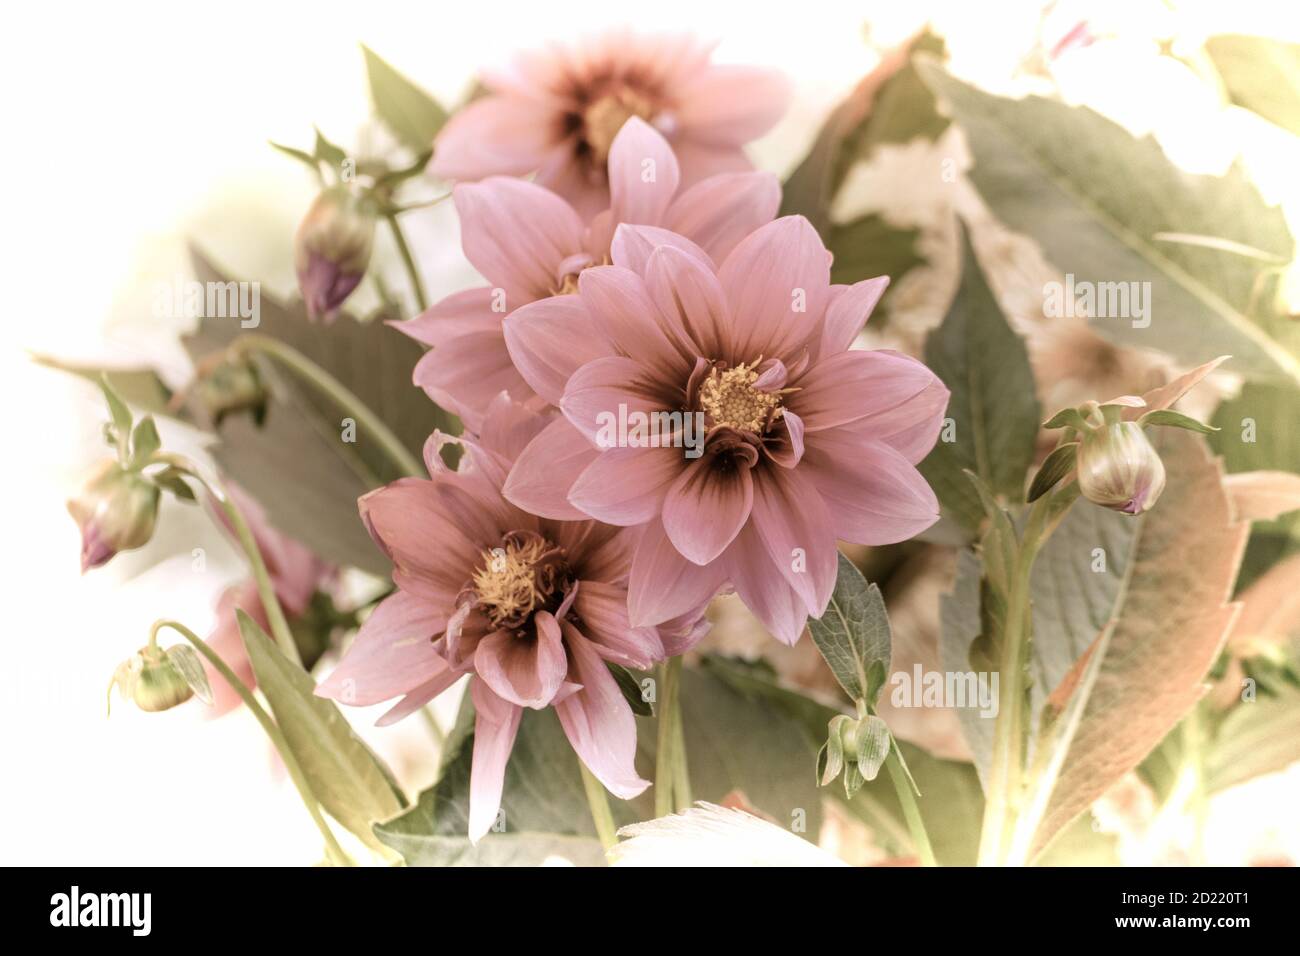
(1118, 468)
(332, 249)
(116, 511)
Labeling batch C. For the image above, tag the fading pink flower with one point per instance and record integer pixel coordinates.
(557, 112)
(296, 575)
(807, 441)
(532, 608)
(530, 244)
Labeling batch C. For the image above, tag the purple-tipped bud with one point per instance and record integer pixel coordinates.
(116, 511)
(1118, 468)
(331, 250)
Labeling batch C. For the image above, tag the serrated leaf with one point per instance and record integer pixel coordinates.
(347, 778)
(993, 408)
(1261, 74)
(1164, 630)
(186, 661)
(1055, 467)
(853, 635)
(1263, 495)
(412, 115)
(297, 465)
(1094, 198)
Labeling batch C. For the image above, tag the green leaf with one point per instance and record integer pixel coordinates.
(993, 411)
(853, 635)
(330, 154)
(1095, 198)
(870, 247)
(1055, 467)
(1067, 418)
(630, 685)
(120, 417)
(889, 105)
(297, 464)
(412, 115)
(144, 441)
(1169, 417)
(141, 387)
(186, 661)
(873, 746)
(347, 778)
(1261, 74)
(173, 479)
(307, 159)
(830, 759)
(1257, 432)
(1255, 738)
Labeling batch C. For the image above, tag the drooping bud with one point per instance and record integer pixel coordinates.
(232, 385)
(116, 511)
(1118, 468)
(332, 249)
(157, 679)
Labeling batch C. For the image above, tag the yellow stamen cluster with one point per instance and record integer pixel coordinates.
(569, 285)
(516, 578)
(730, 398)
(603, 119)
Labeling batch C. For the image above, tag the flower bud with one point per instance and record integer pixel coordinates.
(332, 250)
(231, 386)
(152, 680)
(1118, 468)
(116, 511)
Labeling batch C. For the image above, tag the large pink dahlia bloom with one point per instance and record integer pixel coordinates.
(532, 608)
(530, 244)
(556, 112)
(805, 440)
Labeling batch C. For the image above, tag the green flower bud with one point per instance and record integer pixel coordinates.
(1118, 468)
(232, 385)
(332, 249)
(116, 511)
(151, 680)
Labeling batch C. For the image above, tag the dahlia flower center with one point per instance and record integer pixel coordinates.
(524, 574)
(602, 120)
(730, 399)
(568, 285)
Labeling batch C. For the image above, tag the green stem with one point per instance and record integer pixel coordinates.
(681, 768)
(409, 261)
(598, 801)
(911, 810)
(261, 576)
(338, 393)
(332, 848)
(667, 740)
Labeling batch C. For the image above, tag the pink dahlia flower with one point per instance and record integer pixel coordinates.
(797, 439)
(532, 608)
(557, 113)
(530, 244)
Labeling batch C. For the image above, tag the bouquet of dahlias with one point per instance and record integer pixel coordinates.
(935, 502)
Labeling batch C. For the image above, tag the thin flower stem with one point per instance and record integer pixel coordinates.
(261, 576)
(332, 848)
(338, 393)
(598, 801)
(409, 261)
(911, 811)
(681, 766)
(667, 740)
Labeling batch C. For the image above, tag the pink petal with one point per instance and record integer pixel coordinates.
(876, 495)
(496, 135)
(854, 385)
(686, 291)
(516, 234)
(626, 486)
(418, 697)
(848, 312)
(392, 653)
(786, 446)
(458, 314)
(542, 475)
(795, 527)
(549, 339)
(466, 373)
(911, 428)
(523, 671)
(603, 391)
(763, 588)
(622, 308)
(496, 722)
(643, 174)
(509, 426)
(598, 721)
(731, 104)
(700, 161)
(633, 245)
(707, 506)
(777, 281)
(719, 211)
(663, 584)
(603, 610)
